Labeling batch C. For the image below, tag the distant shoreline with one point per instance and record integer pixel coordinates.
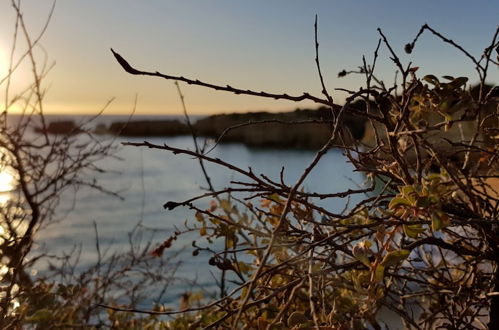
(303, 129)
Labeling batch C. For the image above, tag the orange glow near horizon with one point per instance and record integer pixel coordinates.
(155, 109)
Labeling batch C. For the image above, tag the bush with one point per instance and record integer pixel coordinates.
(422, 242)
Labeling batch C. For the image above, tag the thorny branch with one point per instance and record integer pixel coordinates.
(431, 225)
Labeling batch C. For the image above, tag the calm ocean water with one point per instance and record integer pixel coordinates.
(147, 178)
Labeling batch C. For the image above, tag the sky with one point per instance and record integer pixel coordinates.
(259, 45)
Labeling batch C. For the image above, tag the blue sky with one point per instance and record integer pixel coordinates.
(261, 45)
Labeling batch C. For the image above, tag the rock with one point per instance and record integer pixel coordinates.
(149, 128)
(64, 127)
(282, 130)
(278, 134)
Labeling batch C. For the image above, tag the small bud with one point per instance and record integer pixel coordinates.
(124, 64)
(342, 73)
(171, 205)
(408, 48)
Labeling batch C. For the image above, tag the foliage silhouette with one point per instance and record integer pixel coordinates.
(422, 242)
(36, 169)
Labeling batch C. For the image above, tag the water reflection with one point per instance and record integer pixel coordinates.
(7, 184)
(7, 226)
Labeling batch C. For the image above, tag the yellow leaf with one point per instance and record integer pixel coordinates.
(397, 202)
(226, 206)
(379, 273)
(199, 217)
(395, 257)
(413, 231)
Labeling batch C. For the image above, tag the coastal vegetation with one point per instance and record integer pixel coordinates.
(37, 170)
(421, 243)
(419, 239)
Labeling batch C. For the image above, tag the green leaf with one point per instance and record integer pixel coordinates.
(439, 221)
(364, 259)
(395, 257)
(398, 201)
(436, 222)
(379, 273)
(362, 251)
(413, 231)
(423, 202)
(40, 315)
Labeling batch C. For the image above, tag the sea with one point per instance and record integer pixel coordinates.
(92, 225)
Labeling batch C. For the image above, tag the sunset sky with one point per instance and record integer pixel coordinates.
(260, 45)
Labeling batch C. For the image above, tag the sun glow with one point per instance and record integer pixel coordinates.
(7, 182)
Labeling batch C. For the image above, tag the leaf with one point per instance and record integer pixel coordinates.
(202, 231)
(413, 231)
(423, 202)
(379, 273)
(445, 105)
(458, 82)
(439, 221)
(408, 191)
(158, 252)
(362, 251)
(226, 206)
(398, 201)
(215, 221)
(432, 80)
(199, 217)
(395, 257)
(436, 222)
(448, 77)
(448, 122)
(367, 243)
(40, 316)
(244, 267)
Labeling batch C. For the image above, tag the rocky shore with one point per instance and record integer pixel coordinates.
(306, 129)
(295, 129)
(148, 128)
(63, 127)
